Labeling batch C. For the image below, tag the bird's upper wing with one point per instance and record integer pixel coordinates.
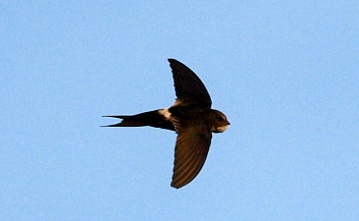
(189, 88)
(191, 151)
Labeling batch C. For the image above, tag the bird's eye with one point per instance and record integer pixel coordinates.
(219, 117)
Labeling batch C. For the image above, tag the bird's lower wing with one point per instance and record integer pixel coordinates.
(191, 151)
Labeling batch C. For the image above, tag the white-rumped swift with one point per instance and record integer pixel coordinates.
(190, 116)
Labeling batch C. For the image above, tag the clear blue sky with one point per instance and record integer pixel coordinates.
(285, 73)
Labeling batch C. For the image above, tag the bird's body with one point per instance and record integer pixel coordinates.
(190, 116)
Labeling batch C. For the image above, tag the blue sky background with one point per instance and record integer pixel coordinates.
(285, 73)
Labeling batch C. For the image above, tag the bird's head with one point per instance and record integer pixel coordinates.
(218, 121)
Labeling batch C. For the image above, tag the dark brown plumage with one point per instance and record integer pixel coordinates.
(191, 117)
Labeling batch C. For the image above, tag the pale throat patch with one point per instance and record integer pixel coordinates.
(165, 113)
(219, 129)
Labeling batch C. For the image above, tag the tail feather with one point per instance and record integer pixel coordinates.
(127, 121)
(151, 118)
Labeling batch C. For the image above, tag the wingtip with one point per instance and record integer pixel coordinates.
(172, 60)
(175, 186)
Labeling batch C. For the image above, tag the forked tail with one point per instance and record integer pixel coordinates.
(151, 118)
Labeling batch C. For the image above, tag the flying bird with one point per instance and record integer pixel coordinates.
(191, 117)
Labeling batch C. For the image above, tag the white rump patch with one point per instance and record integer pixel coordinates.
(178, 102)
(165, 113)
